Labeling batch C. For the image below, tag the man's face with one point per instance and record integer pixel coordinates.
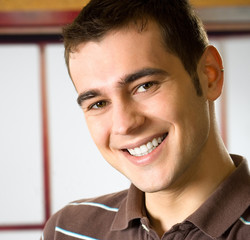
(141, 107)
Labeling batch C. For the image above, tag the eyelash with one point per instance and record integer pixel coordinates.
(96, 103)
(144, 84)
(151, 84)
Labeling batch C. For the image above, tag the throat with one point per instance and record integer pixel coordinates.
(176, 206)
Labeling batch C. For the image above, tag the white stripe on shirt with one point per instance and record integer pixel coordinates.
(100, 205)
(244, 221)
(72, 234)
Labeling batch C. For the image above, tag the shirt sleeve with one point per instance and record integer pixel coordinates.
(49, 229)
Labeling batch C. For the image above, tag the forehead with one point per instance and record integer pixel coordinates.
(117, 54)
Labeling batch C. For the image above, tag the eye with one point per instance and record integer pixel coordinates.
(144, 87)
(98, 105)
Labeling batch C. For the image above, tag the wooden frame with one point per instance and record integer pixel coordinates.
(226, 19)
(35, 22)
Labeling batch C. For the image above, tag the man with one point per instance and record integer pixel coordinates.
(147, 80)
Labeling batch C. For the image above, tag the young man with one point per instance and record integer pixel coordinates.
(147, 80)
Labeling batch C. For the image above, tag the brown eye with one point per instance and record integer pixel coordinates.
(144, 87)
(98, 105)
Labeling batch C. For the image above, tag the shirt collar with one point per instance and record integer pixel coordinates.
(131, 208)
(226, 204)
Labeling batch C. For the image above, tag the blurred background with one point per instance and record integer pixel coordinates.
(47, 157)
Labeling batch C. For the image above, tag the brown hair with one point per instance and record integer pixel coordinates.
(181, 29)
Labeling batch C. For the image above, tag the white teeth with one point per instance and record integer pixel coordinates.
(149, 145)
(155, 142)
(132, 152)
(146, 148)
(137, 151)
(143, 148)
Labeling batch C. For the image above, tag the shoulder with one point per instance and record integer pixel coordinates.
(102, 206)
(112, 200)
(83, 213)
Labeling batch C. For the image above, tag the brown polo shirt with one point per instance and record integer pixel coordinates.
(122, 216)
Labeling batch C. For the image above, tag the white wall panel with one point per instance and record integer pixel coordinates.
(21, 198)
(237, 65)
(21, 235)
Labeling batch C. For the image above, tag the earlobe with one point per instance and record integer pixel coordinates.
(212, 68)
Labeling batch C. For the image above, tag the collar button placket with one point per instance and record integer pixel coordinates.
(149, 233)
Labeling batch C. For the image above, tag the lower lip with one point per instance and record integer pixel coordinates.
(146, 159)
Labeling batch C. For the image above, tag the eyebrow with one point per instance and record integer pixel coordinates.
(142, 73)
(87, 95)
(129, 78)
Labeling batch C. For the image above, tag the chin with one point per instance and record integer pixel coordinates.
(153, 187)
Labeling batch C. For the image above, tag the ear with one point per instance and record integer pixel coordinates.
(212, 68)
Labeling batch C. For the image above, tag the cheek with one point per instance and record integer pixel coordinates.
(193, 125)
(99, 131)
(165, 109)
(186, 114)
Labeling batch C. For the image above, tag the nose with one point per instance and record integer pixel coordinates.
(126, 118)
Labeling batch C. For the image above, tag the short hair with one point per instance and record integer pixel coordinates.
(181, 29)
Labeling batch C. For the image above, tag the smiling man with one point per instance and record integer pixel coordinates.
(147, 80)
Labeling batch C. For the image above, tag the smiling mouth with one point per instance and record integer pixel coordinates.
(148, 147)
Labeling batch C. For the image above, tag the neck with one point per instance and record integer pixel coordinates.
(175, 203)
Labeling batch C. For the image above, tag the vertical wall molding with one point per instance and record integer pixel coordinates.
(45, 127)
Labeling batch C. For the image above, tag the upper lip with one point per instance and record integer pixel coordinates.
(141, 142)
